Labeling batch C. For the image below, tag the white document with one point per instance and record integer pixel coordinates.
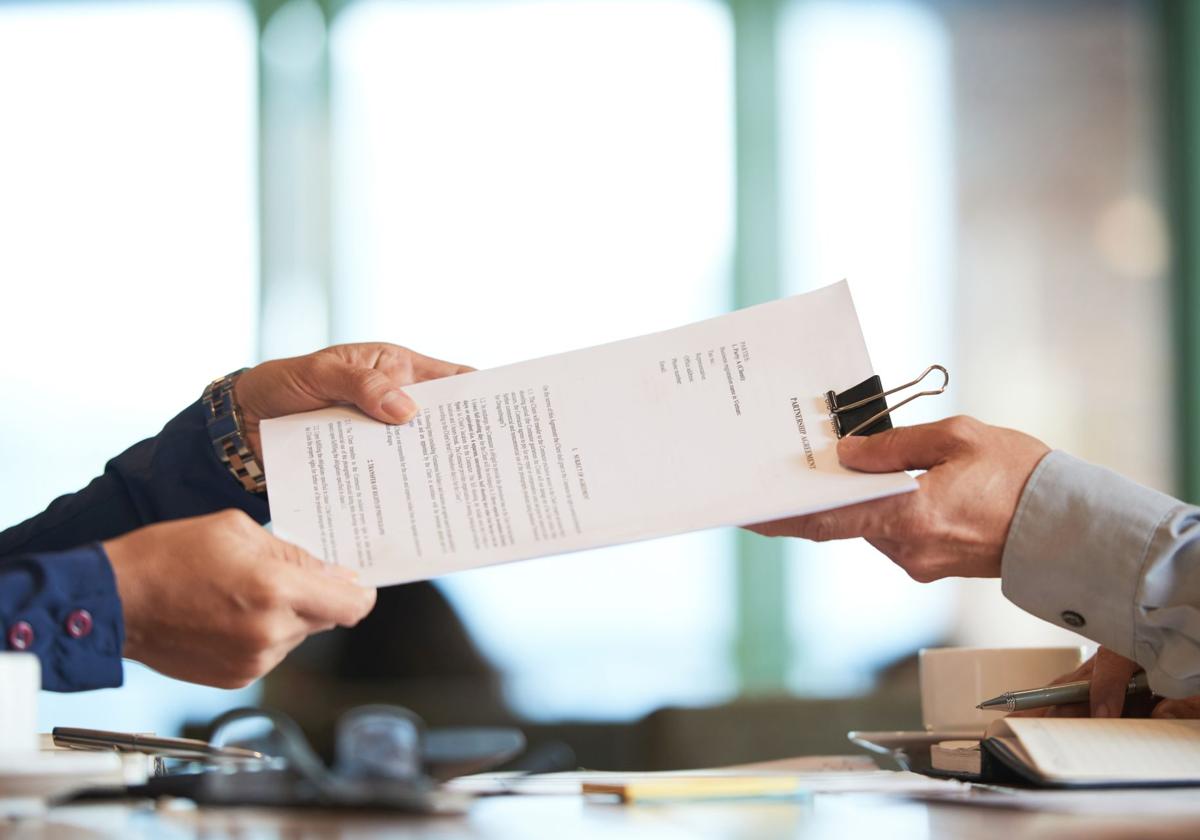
(722, 422)
(834, 777)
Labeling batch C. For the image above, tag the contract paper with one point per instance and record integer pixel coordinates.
(722, 422)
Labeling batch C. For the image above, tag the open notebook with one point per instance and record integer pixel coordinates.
(1093, 752)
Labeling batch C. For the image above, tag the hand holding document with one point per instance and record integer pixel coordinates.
(718, 423)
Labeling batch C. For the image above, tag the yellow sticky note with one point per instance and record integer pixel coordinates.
(700, 787)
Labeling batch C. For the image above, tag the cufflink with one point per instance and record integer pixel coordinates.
(78, 624)
(20, 636)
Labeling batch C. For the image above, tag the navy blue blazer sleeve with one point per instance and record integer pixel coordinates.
(63, 606)
(172, 475)
(56, 581)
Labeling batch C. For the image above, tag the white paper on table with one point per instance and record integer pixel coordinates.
(722, 422)
(834, 778)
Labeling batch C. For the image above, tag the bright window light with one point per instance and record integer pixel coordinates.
(867, 193)
(128, 255)
(514, 179)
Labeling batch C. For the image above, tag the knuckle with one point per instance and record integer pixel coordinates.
(264, 662)
(322, 375)
(241, 670)
(315, 366)
(364, 608)
(400, 359)
(246, 673)
(232, 680)
(233, 519)
(363, 378)
(961, 428)
(921, 572)
(237, 526)
(895, 441)
(820, 528)
(915, 563)
(299, 557)
(263, 592)
(326, 357)
(781, 528)
(255, 639)
(953, 426)
(263, 636)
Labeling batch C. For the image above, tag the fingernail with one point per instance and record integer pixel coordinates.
(398, 405)
(1103, 710)
(340, 571)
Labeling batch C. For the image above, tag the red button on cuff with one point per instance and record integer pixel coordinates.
(79, 623)
(20, 636)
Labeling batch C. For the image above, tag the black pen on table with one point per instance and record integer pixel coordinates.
(1055, 695)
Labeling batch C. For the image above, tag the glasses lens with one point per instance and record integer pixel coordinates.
(380, 743)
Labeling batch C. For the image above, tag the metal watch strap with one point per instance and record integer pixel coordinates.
(224, 423)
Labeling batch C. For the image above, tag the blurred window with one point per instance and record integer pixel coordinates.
(867, 168)
(514, 179)
(490, 180)
(128, 255)
(1061, 306)
(987, 176)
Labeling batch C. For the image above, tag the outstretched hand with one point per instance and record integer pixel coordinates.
(957, 522)
(370, 376)
(218, 600)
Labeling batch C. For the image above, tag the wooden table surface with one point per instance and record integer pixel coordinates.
(825, 816)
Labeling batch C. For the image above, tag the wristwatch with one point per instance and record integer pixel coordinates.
(224, 422)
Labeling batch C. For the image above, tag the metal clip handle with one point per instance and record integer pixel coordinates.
(870, 420)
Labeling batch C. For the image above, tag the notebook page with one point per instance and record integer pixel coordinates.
(1101, 749)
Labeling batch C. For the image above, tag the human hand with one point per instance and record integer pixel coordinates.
(369, 376)
(217, 600)
(1109, 673)
(956, 523)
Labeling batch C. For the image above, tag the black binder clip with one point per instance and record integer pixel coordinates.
(863, 409)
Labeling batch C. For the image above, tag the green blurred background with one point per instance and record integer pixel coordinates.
(1011, 189)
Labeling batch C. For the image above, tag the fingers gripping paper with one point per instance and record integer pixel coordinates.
(717, 423)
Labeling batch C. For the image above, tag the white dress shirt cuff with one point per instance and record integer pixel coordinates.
(1077, 548)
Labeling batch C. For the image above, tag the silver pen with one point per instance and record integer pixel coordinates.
(1055, 695)
(102, 739)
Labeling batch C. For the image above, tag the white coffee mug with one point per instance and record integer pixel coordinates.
(955, 680)
(20, 680)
